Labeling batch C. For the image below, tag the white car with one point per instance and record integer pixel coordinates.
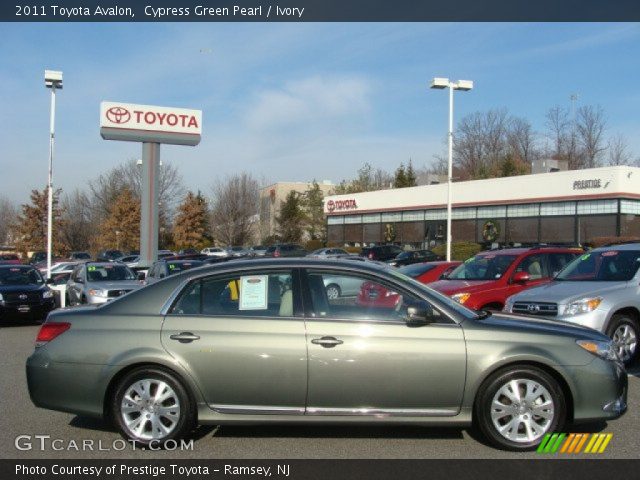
(214, 252)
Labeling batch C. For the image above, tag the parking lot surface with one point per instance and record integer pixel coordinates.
(20, 417)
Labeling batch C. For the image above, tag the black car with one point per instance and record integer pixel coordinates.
(381, 252)
(164, 268)
(413, 256)
(109, 255)
(24, 294)
(80, 256)
(286, 250)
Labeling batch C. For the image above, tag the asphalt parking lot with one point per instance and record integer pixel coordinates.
(20, 417)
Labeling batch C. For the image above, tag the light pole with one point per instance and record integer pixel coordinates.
(52, 80)
(465, 86)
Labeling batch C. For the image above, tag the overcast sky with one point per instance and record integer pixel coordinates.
(294, 102)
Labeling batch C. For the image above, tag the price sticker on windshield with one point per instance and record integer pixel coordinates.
(610, 253)
(585, 257)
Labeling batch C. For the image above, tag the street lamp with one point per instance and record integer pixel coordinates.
(465, 86)
(52, 80)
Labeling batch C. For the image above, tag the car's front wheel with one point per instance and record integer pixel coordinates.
(624, 331)
(150, 406)
(333, 291)
(517, 406)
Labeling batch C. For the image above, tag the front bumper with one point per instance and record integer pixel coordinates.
(27, 311)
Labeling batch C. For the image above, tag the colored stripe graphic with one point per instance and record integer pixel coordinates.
(573, 443)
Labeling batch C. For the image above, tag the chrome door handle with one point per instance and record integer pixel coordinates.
(327, 342)
(185, 337)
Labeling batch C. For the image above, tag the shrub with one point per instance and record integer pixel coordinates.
(459, 250)
(596, 242)
(353, 249)
(312, 245)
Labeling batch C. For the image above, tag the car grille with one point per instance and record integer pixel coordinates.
(117, 293)
(536, 308)
(27, 297)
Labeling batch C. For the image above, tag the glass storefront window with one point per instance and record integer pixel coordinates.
(339, 220)
(557, 208)
(351, 219)
(630, 225)
(391, 217)
(630, 206)
(522, 230)
(492, 212)
(531, 210)
(463, 230)
(413, 216)
(335, 234)
(463, 213)
(590, 227)
(597, 206)
(435, 215)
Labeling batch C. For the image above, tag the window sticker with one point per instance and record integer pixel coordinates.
(585, 257)
(253, 292)
(91, 268)
(172, 266)
(610, 253)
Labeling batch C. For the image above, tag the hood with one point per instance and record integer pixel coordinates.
(21, 288)
(120, 285)
(451, 287)
(542, 326)
(567, 291)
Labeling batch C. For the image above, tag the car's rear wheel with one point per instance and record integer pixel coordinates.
(333, 291)
(150, 406)
(517, 406)
(624, 332)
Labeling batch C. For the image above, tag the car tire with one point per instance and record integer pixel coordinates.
(521, 420)
(624, 331)
(150, 406)
(333, 291)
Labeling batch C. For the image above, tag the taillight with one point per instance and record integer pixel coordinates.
(370, 255)
(51, 330)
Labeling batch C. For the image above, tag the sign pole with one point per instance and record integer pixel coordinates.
(149, 217)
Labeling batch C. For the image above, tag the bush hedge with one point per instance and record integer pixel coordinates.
(459, 250)
(596, 242)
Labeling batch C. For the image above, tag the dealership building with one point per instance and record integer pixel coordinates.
(565, 207)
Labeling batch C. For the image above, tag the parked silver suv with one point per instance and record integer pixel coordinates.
(100, 282)
(600, 290)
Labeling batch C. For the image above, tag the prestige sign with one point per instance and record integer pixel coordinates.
(147, 123)
(587, 184)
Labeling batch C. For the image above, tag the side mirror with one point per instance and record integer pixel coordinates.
(521, 277)
(419, 314)
(141, 276)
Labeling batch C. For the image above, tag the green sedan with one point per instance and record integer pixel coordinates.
(261, 341)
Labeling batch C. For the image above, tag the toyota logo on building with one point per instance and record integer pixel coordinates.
(532, 308)
(331, 205)
(118, 115)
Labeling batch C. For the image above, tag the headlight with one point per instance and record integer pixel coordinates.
(1, 298)
(584, 305)
(98, 292)
(508, 305)
(48, 294)
(461, 297)
(604, 350)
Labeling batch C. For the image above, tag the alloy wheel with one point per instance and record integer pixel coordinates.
(625, 340)
(150, 409)
(522, 410)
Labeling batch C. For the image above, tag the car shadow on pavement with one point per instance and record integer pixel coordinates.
(90, 423)
(336, 431)
(634, 370)
(19, 323)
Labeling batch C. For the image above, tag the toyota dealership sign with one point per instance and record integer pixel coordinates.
(147, 123)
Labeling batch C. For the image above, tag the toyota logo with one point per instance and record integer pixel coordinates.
(533, 308)
(331, 205)
(23, 296)
(118, 115)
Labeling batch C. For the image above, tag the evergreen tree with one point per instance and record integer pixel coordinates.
(121, 227)
(313, 203)
(410, 176)
(400, 179)
(30, 230)
(292, 219)
(191, 225)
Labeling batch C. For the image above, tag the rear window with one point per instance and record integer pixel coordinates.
(20, 276)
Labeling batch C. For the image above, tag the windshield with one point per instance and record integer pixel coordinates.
(444, 299)
(486, 266)
(606, 266)
(176, 267)
(416, 269)
(20, 276)
(109, 273)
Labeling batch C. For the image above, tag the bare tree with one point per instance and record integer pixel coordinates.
(618, 151)
(8, 216)
(561, 130)
(76, 227)
(590, 126)
(522, 140)
(235, 207)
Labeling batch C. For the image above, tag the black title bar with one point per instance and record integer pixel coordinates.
(319, 10)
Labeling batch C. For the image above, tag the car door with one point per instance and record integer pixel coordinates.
(242, 338)
(364, 358)
(536, 266)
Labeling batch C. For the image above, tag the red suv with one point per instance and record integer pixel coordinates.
(484, 282)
